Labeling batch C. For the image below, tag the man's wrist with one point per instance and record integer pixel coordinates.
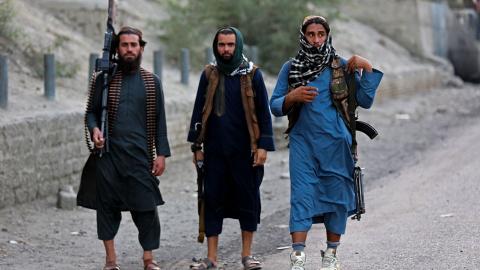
(196, 147)
(287, 104)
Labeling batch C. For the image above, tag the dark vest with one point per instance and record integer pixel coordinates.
(248, 102)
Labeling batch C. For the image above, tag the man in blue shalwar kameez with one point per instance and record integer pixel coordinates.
(321, 162)
(233, 162)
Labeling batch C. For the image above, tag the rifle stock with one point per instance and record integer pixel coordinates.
(200, 198)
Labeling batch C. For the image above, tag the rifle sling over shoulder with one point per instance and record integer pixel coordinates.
(248, 103)
(342, 93)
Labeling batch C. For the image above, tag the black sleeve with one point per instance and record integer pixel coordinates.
(263, 113)
(161, 141)
(94, 103)
(196, 119)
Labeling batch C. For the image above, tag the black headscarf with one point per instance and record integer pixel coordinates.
(227, 67)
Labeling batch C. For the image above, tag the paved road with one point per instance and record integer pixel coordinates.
(421, 203)
(424, 217)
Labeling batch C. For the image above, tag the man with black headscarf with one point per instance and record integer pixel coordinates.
(126, 175)
(231, 131)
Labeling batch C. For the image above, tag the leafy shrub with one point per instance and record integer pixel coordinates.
(7, 13)
(271, 25)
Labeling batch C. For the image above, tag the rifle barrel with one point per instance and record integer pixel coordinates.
(111, 12)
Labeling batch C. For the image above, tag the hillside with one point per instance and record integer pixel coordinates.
(71, 30)
(74, 29)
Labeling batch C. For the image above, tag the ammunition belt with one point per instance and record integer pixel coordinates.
(113, 101)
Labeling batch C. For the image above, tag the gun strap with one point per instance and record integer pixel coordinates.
(351, 109)
(343, 92)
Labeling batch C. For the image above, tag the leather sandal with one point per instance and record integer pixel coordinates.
(251, 263)
(111, 267)
(153, 265)
(203, 264)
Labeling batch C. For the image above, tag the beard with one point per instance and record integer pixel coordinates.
(129, 65)
(227, 57)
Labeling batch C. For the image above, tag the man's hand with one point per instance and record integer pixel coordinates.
(260, 157)
(358, 62)
(198, 155)
(158, 166)
(301, 94)
(97, 138)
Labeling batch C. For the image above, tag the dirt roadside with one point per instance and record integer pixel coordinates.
(39, 236)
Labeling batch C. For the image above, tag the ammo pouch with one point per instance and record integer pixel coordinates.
(342, 87)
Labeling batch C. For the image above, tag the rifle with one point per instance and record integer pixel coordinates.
(371, 132)
(354, 126)
(359, 200)
(107, 66)
(201, 201)
(199, 166)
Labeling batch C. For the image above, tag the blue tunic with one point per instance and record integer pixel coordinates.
(321, 163)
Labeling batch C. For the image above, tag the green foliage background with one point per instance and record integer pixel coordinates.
(272, 25)
(7, 13)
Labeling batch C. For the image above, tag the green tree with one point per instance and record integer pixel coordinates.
(7, 13)
(272, 25)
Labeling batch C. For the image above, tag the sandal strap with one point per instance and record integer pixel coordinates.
(202, 264)
(250, 262)
(115, 267)
(152, 266)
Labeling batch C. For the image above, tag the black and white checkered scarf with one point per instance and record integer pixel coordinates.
(310, 61)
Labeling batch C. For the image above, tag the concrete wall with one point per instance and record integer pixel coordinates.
(464, 47)
(39, 155)
(414, 24)
(397, 19)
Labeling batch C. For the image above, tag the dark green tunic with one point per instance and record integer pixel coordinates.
(125, 180)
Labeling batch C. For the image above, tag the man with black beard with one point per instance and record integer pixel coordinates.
(126, 175)
(231, 108)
